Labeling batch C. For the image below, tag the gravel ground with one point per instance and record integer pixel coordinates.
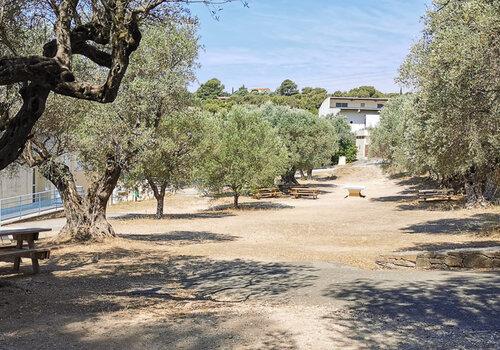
(279, 274)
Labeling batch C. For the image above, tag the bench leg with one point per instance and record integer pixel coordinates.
(17, 260)
(36, 265)
(34, 260)
(17, 263)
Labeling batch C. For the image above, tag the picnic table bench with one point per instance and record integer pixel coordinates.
(298, 192)
(271, 192)
(354, 191)
(435, 194)
(20, 250)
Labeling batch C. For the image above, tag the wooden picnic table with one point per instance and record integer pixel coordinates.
(301, 191)
(19, 250)
(270, 192)
(435, 194)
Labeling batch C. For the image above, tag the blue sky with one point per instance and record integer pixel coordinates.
(335, 44)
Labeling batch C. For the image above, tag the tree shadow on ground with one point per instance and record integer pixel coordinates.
(180, 216)
(457, 312)
(409, 201)
(251, 206)
(181, 237)
(475, 223)
(277, 340)
(326, 178)
(72, 292)
(320, 185)
(415, 183)
(448, 245)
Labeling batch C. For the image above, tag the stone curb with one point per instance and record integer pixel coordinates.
(454, 259)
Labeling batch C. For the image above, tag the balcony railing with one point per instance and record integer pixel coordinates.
(21, 206)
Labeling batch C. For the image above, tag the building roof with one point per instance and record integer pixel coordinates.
(358, 98)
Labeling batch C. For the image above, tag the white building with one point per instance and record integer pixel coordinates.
(360, 112)
(22, 180)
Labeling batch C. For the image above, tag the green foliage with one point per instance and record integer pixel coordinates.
(361, 91)
(396, 138)
(242, 152)
(170, 159)
(242, 91)
(160, 71)
(450, 128)
(106, 133)
(346, 139)
(310, 99)
(311, 141)
(287, 88)
(154, 88)
(212, 89)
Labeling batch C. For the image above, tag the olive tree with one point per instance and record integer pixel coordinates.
(310, 141)
(346, 139)
(243, 152)
(106, 139)
(454, 71)
(170, 161)
(399, 139)
(105, 33)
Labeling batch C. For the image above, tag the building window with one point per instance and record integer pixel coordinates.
(362, 104)
(341, 105)
(380, 105)
(350, 122)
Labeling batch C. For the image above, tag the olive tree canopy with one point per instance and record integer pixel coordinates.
(105, 32)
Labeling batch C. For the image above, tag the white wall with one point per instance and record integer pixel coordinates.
(325, 108)
(14, 183)
(372, 120)
(355, 120)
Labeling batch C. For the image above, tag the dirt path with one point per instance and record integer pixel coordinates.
(294, 274)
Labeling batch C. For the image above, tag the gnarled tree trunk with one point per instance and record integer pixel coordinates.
(477, 192)
(52, 72)
(289, 177)
(85, 216)
(309, 174)
(159, 193)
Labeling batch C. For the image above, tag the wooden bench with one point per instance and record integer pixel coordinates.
(355, 191)
(298, 192)
(435, 195)
(21, 250)
(271, 192)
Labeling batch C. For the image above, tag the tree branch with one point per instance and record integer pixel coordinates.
(42, 70)
(16, 132)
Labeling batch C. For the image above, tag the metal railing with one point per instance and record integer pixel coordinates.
(31, 204)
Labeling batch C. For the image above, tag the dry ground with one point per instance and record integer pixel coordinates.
(351, 231)
(279, 274)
